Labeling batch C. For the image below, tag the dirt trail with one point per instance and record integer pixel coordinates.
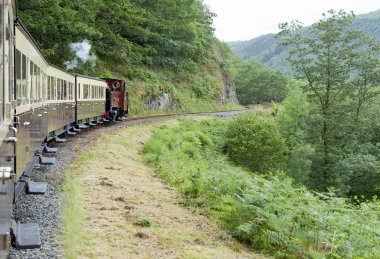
(133, 214)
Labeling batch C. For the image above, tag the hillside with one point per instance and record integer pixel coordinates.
(165, 49)
(265, 48)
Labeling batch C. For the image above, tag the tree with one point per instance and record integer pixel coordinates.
(339, 65)
(256, 83)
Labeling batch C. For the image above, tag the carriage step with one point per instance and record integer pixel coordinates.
(26, 236)
(82, 126)
(51, 150)
(105, 120)
(76, 130)
(47, 160)
(36, 187)
(59, 140)
(91, 124)
(70, 133)
(99, 122)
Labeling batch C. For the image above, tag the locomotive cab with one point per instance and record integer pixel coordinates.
(116, 99)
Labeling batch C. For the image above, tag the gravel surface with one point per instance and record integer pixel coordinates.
(46, 209)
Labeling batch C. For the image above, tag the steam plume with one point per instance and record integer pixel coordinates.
(82, 55)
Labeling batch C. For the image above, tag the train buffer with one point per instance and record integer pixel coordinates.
(26, 236)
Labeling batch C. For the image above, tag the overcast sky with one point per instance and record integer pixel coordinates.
(246, 19)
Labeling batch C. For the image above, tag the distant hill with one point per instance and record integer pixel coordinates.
(265, 48)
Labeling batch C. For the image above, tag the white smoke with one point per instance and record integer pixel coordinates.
(82, 55)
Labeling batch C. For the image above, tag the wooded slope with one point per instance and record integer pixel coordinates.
(265, 48)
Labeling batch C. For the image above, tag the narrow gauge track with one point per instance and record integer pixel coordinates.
(46, 209)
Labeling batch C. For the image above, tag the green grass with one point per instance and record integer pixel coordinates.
(267, 212)
(74, 238)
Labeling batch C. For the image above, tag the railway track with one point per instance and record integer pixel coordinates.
(46, 209)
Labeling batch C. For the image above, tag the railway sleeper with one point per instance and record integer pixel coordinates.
(25, 236)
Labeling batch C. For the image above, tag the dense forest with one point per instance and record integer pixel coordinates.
(266, 48)
(165, 49)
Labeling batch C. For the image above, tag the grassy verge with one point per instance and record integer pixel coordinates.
(74, 238)
(267, 212)
(115, 207)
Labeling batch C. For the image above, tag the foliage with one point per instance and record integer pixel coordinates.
(266, 211)
(358, 174)
(340, 68)
(292, 117)
(164, 46)
(255, 83)
(255, 142)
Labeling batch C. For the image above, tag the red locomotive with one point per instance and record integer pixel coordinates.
(116, 99)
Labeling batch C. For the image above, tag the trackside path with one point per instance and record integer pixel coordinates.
(116, 208)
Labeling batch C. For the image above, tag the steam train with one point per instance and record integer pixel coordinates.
(40, 103)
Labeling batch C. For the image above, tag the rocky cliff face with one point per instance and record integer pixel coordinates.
(164, 102)
(227, 89)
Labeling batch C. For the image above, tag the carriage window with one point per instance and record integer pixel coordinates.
(50, 89)
(43, 85)
(92, 92)
(18, 78)
(54, 86)
(59, 89)
(86, 91)
(68, 91)
(72, 91)
(31, 83)
(64, 91)
(39, 85)
(24, 82)
(79, 93)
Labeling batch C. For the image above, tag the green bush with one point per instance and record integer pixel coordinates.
(255, 142)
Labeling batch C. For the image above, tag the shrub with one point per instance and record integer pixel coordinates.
(255, 142)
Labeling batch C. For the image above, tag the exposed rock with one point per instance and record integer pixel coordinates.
(227, 90)
(164, 103)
